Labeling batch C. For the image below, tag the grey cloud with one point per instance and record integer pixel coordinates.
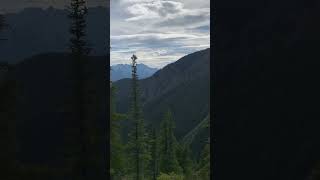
(205, 28)
(174, 43)
(153, 9)
(159, 31)
(187, 18)
(170, 7)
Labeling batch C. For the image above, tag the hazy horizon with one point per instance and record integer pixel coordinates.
(151, 66)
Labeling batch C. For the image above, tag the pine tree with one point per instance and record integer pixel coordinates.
(77, 13)
(79, 50)
(184, 157)
(168, 158)
(138, 139)
(154, 167)
(204, 164)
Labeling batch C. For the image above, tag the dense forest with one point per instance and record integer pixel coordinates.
(152, 152)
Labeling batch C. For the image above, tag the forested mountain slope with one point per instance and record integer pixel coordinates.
(183, 86)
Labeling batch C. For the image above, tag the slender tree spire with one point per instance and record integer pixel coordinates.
(79, 50)
(168, 158)
(77, 13)
(138, 146)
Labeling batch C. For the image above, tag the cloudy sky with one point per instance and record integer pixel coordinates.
(158, 31)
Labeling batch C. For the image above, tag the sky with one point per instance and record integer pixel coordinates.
(159, 32)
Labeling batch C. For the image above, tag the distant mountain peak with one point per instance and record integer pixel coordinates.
(121, 71)
(182, 86)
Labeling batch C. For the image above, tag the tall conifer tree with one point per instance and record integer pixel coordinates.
(154, 166)
(204, 164)
(137, 145)
(80, 50)
(184, 157)
(168, 152)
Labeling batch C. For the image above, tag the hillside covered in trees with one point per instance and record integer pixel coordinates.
(160, 125)
(184, 86)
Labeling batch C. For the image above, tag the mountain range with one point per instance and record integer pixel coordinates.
(121, 71)
(43, 95)
(182, 86)
(38, 107)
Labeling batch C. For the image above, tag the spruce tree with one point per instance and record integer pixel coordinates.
(79, 50)
(204, 164)
(168, 157)
(77, 13)
(185, 160)
(137, 145)
(154, 166)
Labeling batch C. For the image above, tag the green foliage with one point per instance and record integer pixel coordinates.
(138, 146)
(171, 176)
(77, 13)
(204, 164)
(154, 165)
(188, 98)
(117, 154)
(184, 157)
(168, 159)
(147, 153)
(79, 50)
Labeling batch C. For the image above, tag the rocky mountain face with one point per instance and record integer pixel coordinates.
(121, 71)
